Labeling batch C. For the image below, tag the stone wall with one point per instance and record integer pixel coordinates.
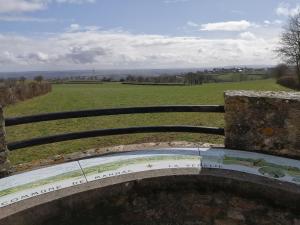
(176, 200)
(263, 121)
(184, 207)
(4, 163)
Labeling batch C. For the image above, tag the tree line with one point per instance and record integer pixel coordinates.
(11, 82)
(198, 78)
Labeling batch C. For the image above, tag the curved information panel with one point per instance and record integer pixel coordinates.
(160, 162)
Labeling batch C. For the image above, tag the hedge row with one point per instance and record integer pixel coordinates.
(150, 83)
(23, 91)
(289, 81)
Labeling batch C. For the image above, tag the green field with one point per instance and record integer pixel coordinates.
(108, 95)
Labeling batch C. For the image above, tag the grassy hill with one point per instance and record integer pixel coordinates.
(109, 95)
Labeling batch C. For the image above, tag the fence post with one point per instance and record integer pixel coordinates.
(5, 167)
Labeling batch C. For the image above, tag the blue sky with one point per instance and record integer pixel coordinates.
(116, 34)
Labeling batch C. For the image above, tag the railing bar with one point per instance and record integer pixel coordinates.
(108, 132)
(115, 111)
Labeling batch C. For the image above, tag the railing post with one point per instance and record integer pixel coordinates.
(5, 167)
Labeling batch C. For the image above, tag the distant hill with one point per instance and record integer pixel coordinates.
(115, 74)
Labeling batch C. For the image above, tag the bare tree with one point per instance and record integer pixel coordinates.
(289, 46)
(22, 79)
(280, 71)
(39, 78)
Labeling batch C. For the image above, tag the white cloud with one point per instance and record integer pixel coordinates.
(268, 23)
(112, 49)
(192, 24)
(76, 27)
(26, 19)
(227, 26)
(277, 22)
(7, 6)
(17, 6)
(284, 9)
(247, 36)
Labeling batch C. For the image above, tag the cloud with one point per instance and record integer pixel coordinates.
(247, 36)
(76, 27)
(33, 58)
(108, 49)
(192, 24)
(267, 23)
(80, 55)
(284, 9)
(26, 19)
(226, 26)
(7, 6)
(277, 22)
(19, 6)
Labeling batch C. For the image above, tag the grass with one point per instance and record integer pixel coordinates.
(108, 95)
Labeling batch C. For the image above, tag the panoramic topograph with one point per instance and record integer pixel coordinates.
(37, 182)
(149, 112)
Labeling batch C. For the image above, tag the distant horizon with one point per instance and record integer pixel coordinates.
(118, 71)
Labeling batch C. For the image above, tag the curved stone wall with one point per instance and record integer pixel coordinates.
(211, 198)
(163, 186)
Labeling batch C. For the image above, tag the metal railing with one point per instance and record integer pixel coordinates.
(115, 131)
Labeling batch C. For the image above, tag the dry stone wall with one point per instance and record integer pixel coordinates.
(263, 121)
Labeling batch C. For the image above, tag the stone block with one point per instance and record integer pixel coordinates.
(263, 121)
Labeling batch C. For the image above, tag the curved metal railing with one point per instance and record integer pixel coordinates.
(115, 131)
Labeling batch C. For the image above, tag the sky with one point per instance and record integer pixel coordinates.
(140, 34)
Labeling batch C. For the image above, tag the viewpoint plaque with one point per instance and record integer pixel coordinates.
(37, 182)
(140, 161)
(136, 165)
